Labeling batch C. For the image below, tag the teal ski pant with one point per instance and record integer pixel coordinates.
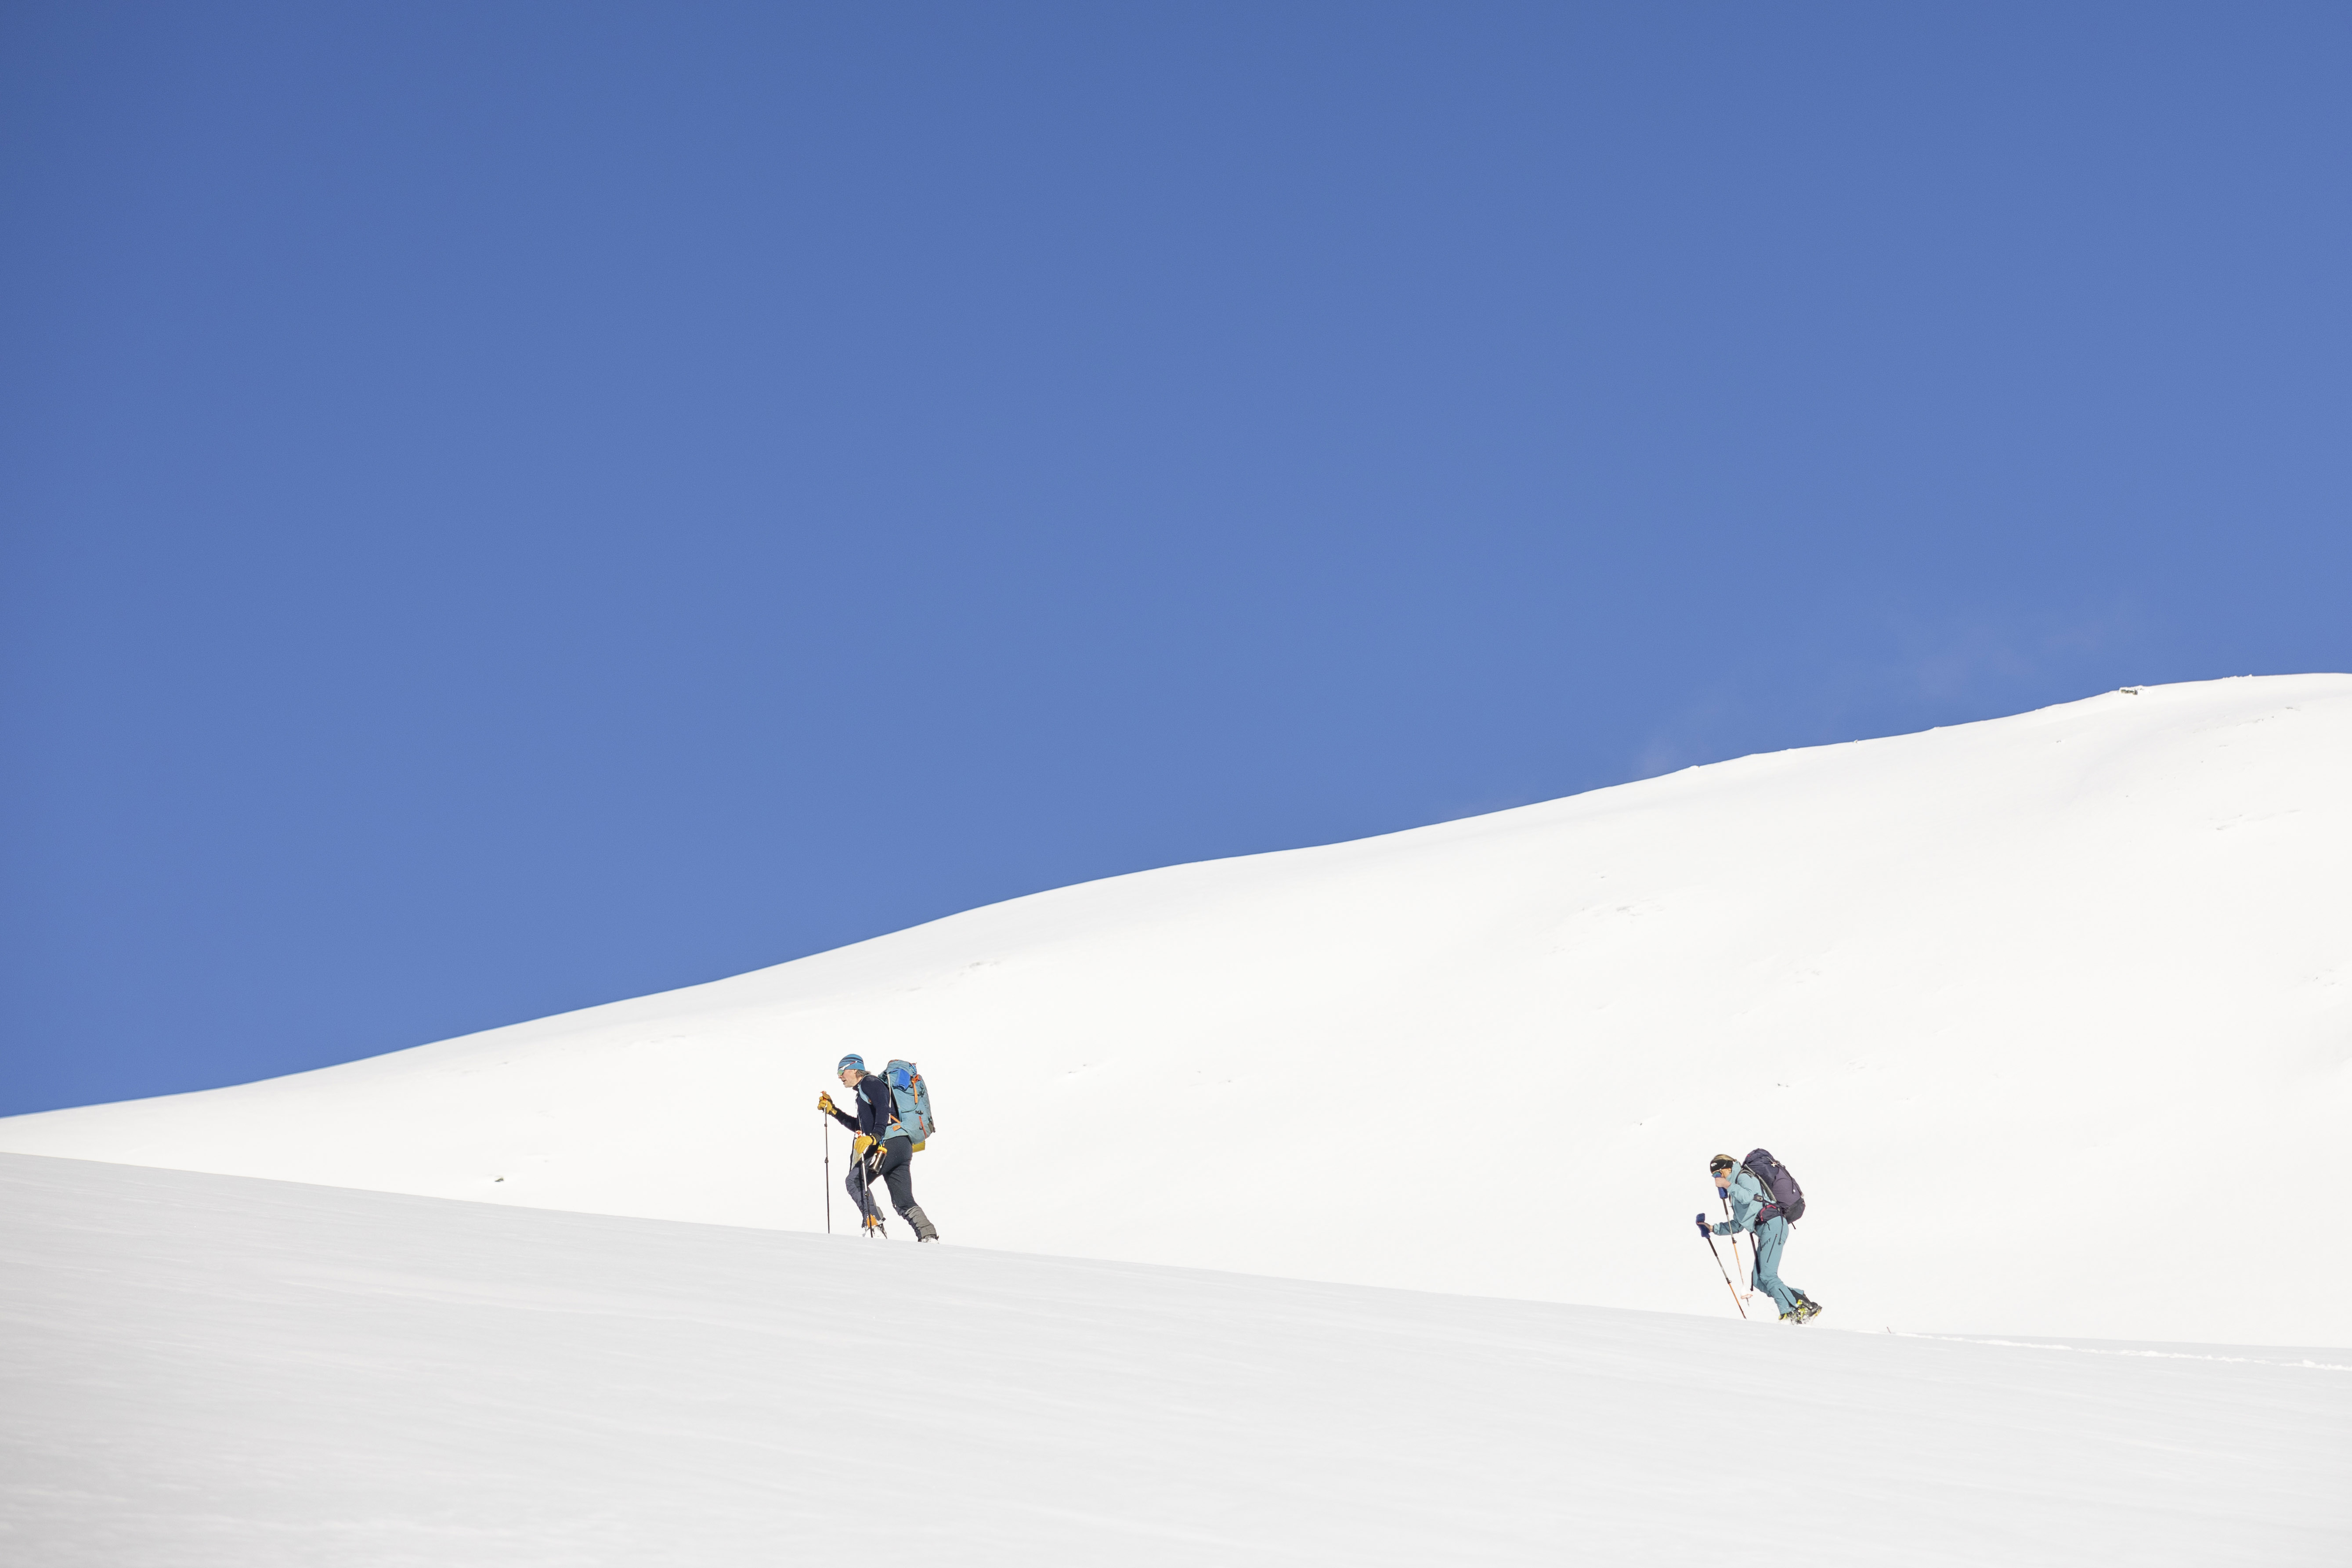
(1769, 1237)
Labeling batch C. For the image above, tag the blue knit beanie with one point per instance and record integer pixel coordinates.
(850, 1061)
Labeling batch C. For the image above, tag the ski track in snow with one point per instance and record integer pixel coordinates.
(202, 1369)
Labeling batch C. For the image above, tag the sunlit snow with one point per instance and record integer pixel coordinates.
(2052, 1017)
(209, 1372)
(2051, 1014)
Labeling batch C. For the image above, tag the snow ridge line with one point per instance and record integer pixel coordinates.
(2160, 1355)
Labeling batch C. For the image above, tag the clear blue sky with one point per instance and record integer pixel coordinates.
(508, 506)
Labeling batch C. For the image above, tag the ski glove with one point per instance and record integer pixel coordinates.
(825, 1103)
(858, 1150)
(1704, 1228)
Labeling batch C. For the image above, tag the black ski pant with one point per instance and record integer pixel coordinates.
(893, 1163)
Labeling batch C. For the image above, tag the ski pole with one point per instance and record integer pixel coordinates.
(1726, 1198)
(824, 1130)
(1720, 1268)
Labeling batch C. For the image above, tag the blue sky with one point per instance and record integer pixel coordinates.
(509, 507)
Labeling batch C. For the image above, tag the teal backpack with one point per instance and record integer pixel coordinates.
(910, 1101)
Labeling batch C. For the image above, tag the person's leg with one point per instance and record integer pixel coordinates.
(899, 1170)
(1769, 1237)
(860, 1193)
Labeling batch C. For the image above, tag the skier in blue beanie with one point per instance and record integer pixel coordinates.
(883, 1150)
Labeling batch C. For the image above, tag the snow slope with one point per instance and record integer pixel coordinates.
(204, 1370)
(2053, 1015)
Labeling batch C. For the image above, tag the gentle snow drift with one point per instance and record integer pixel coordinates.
(205, 1369)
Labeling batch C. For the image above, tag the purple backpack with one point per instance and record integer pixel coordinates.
(1788, 1199)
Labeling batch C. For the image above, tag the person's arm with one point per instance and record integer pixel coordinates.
(839, 1115)
(1746, 1202)
(872, 1115)
(886, 1124)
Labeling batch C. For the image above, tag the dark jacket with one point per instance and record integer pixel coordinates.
(877, 1113)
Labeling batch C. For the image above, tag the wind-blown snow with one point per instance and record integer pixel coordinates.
(204, 1370)
(2051, 1014)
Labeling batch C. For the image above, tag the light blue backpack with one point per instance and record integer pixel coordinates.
(910, 1101)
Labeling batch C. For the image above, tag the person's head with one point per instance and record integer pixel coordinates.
(1720, 1168)
(850, 1069)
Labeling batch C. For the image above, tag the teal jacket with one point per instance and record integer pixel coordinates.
(1747, 1200)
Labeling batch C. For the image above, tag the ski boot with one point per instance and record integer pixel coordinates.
(1807, 1308)
(924, 1229)
(874, 1229)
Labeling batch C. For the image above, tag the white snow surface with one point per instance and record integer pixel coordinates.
(202, 1369)
(2051, 1014)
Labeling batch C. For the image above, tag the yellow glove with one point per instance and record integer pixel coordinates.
(825, 1103)
(858, 1150)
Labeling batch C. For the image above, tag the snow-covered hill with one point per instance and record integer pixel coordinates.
(2051, 1014)
(205, 1369)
